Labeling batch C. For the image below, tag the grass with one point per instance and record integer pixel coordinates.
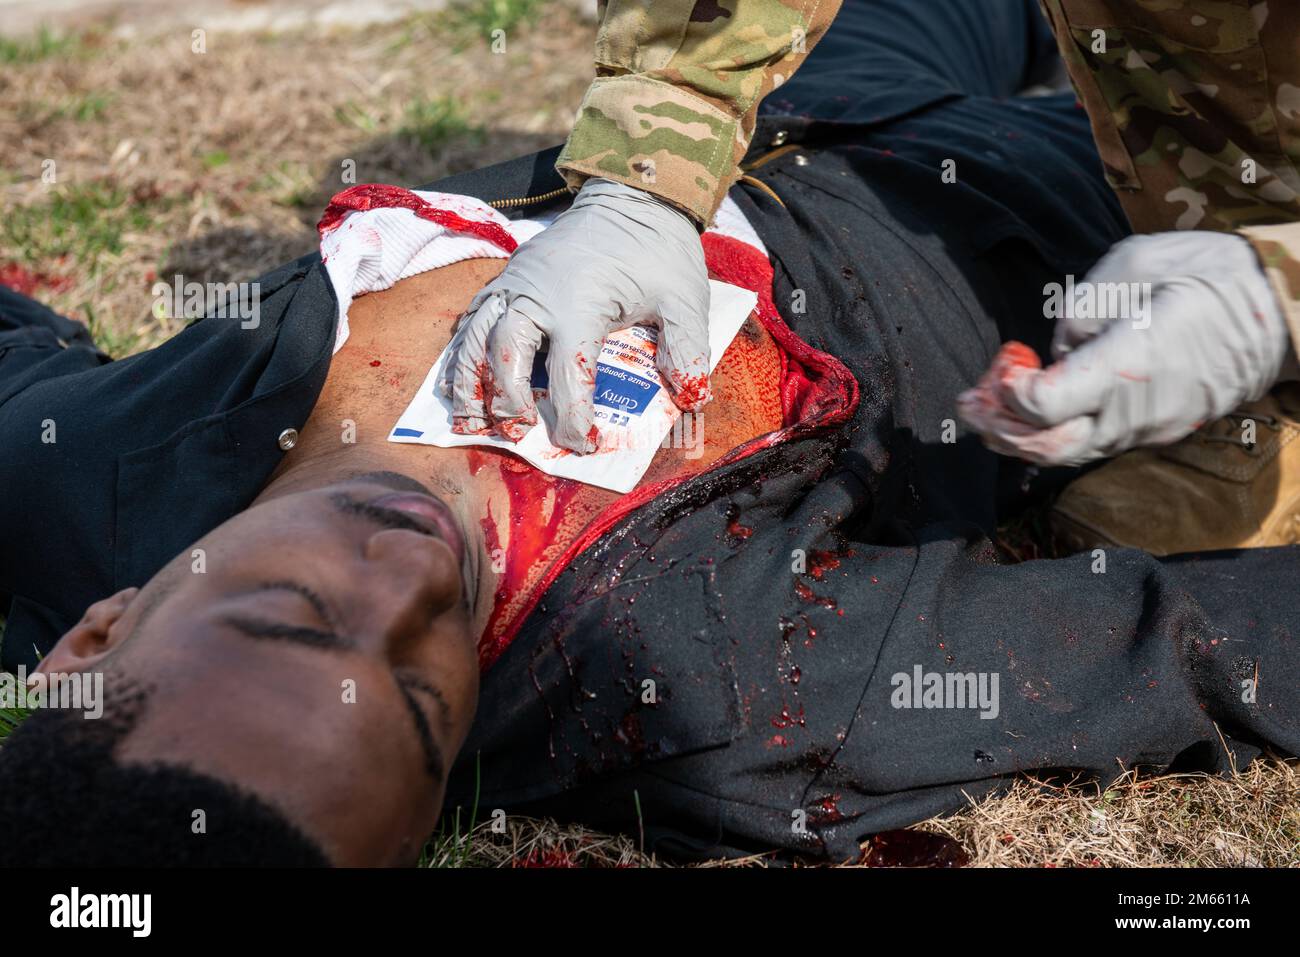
(463, 22)
(1251, 819)
(87, 222)
(80, 108)
(44, 45)
(10, 718)
(288, 184)
(217, 166)
(527, 842)
(484, 17)
(432, 122)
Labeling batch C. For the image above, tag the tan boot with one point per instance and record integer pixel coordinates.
(1212, 490)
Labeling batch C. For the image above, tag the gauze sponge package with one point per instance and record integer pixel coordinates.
(633, 408)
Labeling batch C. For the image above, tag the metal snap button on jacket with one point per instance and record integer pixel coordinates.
(288, 439)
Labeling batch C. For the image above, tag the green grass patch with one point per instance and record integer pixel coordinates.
(434, 121)
(464, 21)
(45, 44)
(214, 159)
(290, 184)
(90, 106)
(10, 719)
(82, 108)
(484, 17)
(117, 342)
(357, 115)
(83, 221)
(451, 845)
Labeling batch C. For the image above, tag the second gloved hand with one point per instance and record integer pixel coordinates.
(1209, 337)
(617, 257)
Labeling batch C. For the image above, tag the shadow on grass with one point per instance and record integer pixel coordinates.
(403, 159)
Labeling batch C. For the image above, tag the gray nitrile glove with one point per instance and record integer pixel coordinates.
(1212, 337)
(617, 257)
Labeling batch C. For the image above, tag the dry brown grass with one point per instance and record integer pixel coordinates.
(217, 165)
(1250, 820)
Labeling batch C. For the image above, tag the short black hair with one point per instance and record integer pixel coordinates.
(67, 802)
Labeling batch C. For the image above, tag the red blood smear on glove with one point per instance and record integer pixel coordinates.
(985, 406)
(1013, 356)
(692, 391)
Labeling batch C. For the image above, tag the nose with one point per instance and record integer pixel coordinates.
(415, 578)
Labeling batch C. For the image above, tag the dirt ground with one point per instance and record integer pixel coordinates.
(129, 157)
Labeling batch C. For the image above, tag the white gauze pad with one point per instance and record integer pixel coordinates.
(634, 412)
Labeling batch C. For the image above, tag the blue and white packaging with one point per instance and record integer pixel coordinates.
(634, 411)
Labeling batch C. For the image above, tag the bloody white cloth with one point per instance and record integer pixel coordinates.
(373, 236)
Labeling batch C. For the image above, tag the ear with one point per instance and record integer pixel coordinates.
(90, 639)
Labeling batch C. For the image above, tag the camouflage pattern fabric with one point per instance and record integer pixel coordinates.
(1279, 250)
(677, 88)
(1195, 107)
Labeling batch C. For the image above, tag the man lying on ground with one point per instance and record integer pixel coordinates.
(798, 638)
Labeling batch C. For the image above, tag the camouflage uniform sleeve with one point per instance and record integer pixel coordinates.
(677, 89)
(1278, 248)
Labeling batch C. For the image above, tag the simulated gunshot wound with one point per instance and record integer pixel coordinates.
(634, 411)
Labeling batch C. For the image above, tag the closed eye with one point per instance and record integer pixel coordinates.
(376, 515)
(271, 629)
(282, 631)
(434, 764)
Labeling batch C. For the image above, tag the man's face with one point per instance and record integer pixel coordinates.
(318, 653)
